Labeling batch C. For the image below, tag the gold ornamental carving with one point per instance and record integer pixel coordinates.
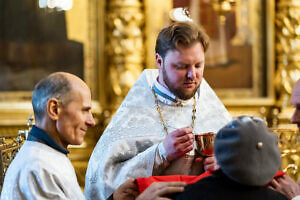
(124, 45)
(288, 142)
(287, 21)
(287, 47)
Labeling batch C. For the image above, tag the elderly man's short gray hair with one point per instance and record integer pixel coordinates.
(55, 85)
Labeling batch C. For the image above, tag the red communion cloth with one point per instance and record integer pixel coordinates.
(145, 182)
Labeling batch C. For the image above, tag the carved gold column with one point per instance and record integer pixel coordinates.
(287, 21)
(124, 46)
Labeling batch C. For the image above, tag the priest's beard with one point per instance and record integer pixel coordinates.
(181, 94)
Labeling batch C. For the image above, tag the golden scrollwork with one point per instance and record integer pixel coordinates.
(125, 46)
(288, 142)
(287, 22)
(9, 147)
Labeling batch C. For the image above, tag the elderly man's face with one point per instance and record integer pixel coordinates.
(295, 101)
(76, 116)
(181, 70)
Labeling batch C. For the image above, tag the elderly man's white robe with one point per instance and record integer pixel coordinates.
(129, 147)
(40, 172)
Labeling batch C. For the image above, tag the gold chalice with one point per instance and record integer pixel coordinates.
(205, 143)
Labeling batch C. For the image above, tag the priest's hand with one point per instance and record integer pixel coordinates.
(178, 143)
(127, 191)
(159, 190)
(285, 185)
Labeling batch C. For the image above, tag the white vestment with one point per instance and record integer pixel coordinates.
(129, 147)
(40, 172)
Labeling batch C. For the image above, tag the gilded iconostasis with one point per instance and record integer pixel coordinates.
(252, 63)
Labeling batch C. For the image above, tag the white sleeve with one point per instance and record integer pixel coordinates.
(160, 161)
(296, 198)
(40, 184)
(162, 151)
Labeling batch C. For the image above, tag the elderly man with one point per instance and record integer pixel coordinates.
(286, 184)
(42, 169)
(152, 131)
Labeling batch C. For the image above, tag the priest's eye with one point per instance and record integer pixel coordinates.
(181, 66)
(86, 109)
(198, 66)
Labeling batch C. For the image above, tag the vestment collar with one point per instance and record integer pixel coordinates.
(38, 135)
(165, 96)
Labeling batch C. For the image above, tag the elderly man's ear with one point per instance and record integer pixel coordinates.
(53, 108)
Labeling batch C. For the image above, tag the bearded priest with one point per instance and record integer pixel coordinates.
(152, 132)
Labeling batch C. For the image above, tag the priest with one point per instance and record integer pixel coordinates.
(152, 132)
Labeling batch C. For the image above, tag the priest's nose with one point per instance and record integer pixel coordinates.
(191, 73)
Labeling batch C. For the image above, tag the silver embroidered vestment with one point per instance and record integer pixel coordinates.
(128, 146)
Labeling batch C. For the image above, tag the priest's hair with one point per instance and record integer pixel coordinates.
(180, 33)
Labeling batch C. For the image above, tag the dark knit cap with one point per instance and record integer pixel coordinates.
(247, 151)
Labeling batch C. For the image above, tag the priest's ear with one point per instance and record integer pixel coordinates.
(159, 61)
(53, 108)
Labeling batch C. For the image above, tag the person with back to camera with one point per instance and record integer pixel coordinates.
(248, 156)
